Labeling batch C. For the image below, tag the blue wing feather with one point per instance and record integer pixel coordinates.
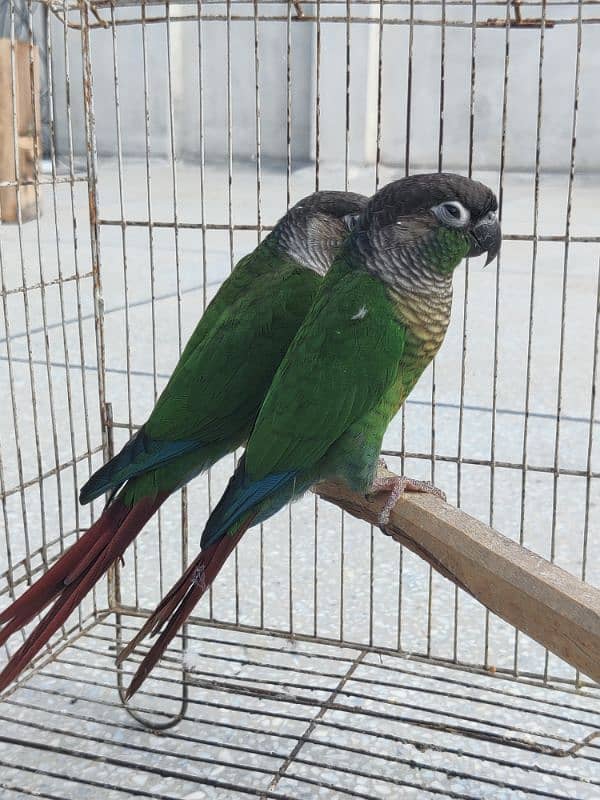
(241, 496)
(140, 454)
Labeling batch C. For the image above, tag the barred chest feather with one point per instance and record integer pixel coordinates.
(426, 316)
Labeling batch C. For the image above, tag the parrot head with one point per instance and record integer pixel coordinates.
(313, 230)
(429, 223)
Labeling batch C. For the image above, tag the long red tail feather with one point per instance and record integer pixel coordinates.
(70, 579)
(179, 602)
(46, 588)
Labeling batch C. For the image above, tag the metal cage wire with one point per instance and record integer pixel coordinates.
(318, 664)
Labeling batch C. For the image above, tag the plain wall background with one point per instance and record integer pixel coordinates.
(558, 71)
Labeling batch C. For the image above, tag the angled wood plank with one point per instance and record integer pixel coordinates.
(544, 601)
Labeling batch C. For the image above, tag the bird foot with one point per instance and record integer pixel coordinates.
(396, 485)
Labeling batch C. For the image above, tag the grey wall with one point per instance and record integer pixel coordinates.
(185, 80)
(558, 72)
(558, 81)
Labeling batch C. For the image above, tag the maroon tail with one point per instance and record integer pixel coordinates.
(69, 580)
(178, 603)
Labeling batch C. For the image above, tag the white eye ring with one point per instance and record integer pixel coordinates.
(452, 213)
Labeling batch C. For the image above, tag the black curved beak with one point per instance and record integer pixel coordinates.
(486, 237)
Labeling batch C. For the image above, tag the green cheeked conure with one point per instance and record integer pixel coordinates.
(377, 321)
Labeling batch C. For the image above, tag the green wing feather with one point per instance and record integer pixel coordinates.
(218, 386)
(239, 282)
(343, 360)
(210, 403)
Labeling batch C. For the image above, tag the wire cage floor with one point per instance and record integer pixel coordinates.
(265, 716)
(326, 662)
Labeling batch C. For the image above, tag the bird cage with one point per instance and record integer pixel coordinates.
(326, 661)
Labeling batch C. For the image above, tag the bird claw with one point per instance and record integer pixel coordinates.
(396, 486)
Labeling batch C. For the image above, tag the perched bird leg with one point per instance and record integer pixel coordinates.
(396, 486)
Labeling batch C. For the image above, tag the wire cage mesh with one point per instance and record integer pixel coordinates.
(326, 661)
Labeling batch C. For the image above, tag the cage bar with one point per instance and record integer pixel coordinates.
(327, 660)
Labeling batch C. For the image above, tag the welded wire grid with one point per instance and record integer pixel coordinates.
(142, 219)
(286, 719)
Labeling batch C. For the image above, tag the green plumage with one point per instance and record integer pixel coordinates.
(349, 369)
(206, 410)
(325, 385)
(351, 366)
(210, 403)
(378, 320)
(217, 387)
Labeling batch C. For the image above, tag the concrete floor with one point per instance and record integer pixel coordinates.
(376, 596)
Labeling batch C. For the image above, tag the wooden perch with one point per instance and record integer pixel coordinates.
(544, 601)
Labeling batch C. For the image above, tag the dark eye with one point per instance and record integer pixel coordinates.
(452, 213)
